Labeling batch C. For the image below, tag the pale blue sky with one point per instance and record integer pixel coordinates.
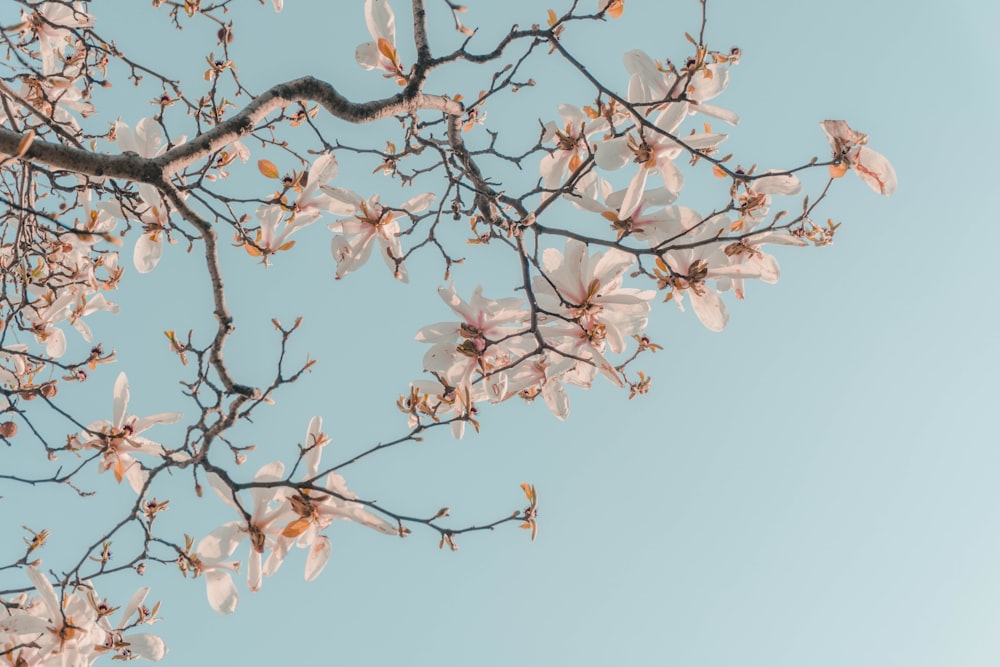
(814, 486)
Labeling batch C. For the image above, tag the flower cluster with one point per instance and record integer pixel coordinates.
(74, 629)
(277, 517)
(579, 310)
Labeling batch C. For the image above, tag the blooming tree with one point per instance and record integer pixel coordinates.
(585, 204)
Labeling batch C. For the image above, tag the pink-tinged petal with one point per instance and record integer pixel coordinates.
(875, 170)
(633, 195)
(254, 565)
(710, 309)
(704, 140)
(323, 169)
(46, 593)
(148, 137)
(549, 131)
(778, 184)
(146, 646)
(767, 266)
(709, 83)
(135, 474)
(496, 387)
(608, 370)
(133, 605)
(671, 117)
(262, 496)
(366, 518)
(221, 542)
(223, 490)
(734, 271)
(717, 112)
(367, 55)
(434, 333)
(647, 83)
(148, 249)
(222, 595)
(24, 624)
(418, 203)
(613, 154)
(611, 266)
(277, 556)
(145, 423)
(838, 130)
(270, 472)
(552, 169)
(673, 180)
(125, 137)
(55, 344)
(555, 397)
(349, 201)
(778, 238)
(319, 554)
(380, 20)
(315, 441)
(572, 116)
(121, 395)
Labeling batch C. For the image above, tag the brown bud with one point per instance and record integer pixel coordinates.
(49, 390)
(8, 429)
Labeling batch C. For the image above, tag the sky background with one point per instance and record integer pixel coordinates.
(816, 485)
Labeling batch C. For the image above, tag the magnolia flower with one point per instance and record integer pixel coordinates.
(577, 341)
(540, 376)
(119, 439)
(381, 54)
(372, 221)
(752, 198)
(312, 200)
(14, 365)
(849, 150)
(656, 150)
(211, 559)
(484, 340)
(651, 82)
(572, 144)
(687, 271)
(442, 401)
(54, 629)
(263, 526)
(312, 511)
(633, 211)
(133, 645)
(587, 290)
(43, 323)
(269, 240)
(747, 251)
(147, 140)
(52, 24)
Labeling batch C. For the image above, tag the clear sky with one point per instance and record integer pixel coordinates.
(814, 486)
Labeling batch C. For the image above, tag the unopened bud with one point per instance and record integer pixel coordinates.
(49, 390)
(8, 429)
